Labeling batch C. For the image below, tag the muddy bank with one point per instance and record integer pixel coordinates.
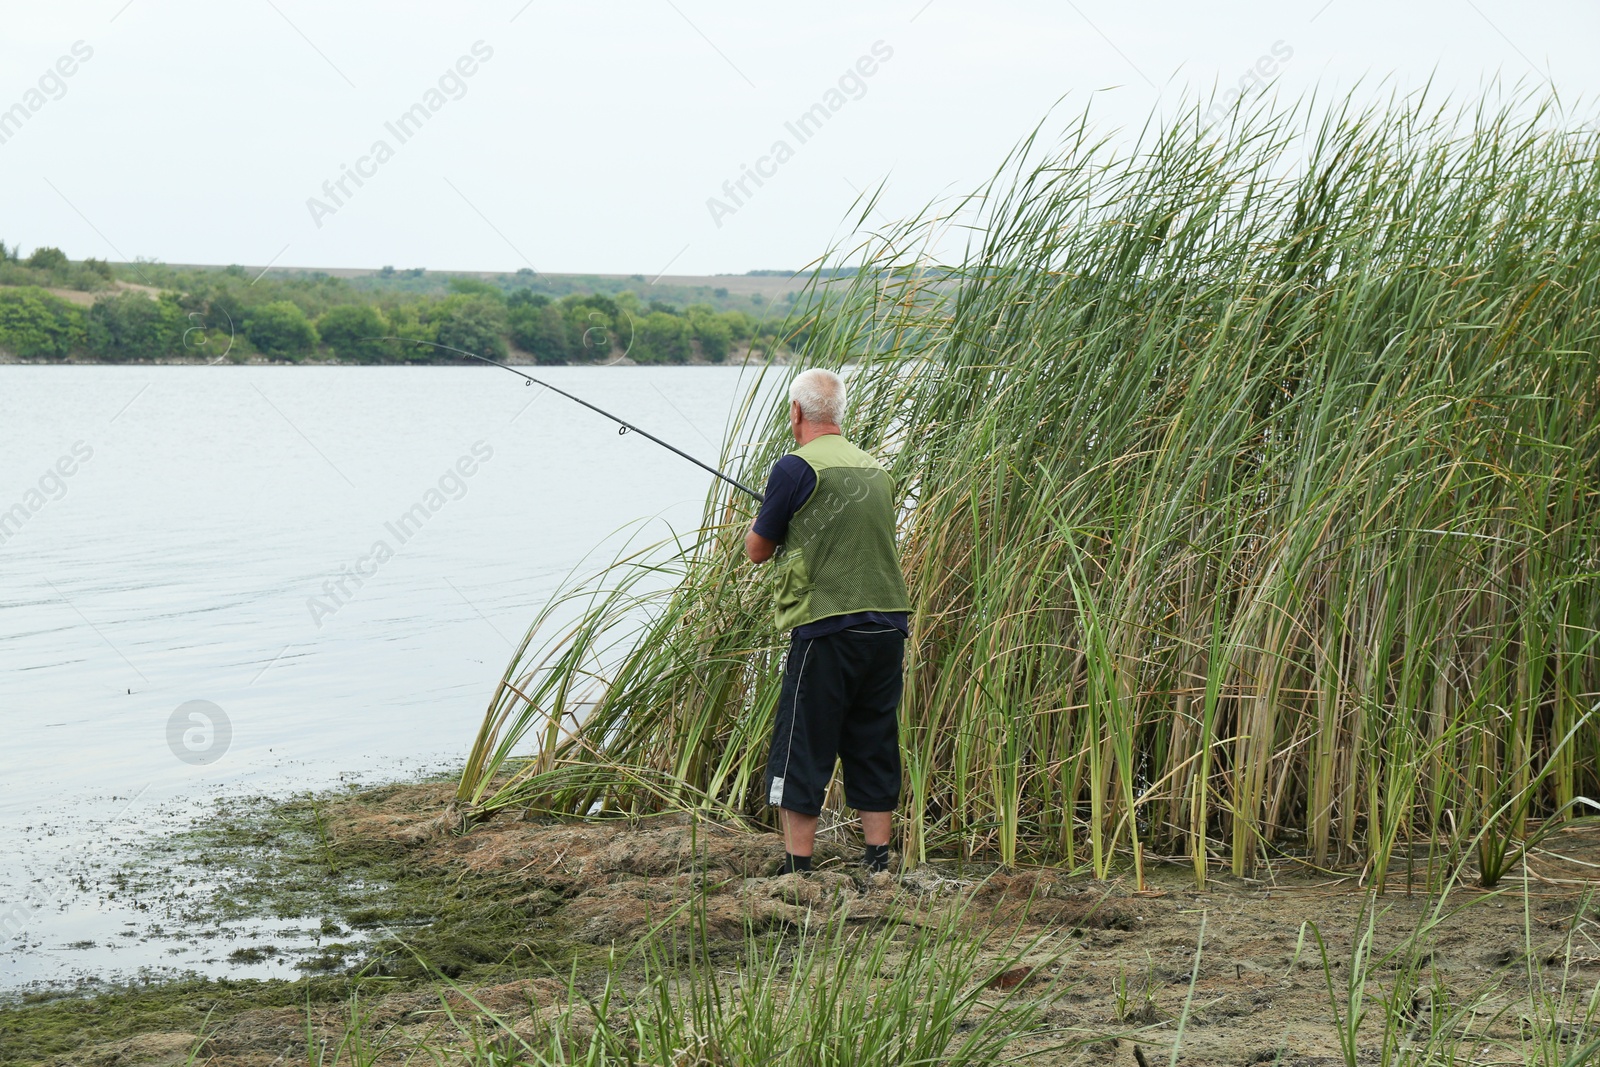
(426, 934)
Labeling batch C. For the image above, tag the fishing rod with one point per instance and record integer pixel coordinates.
(626, 425)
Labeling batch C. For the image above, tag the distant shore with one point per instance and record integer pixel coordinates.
(56, 310)
(515, 359)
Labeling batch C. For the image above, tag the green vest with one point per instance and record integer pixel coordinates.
(838, 557)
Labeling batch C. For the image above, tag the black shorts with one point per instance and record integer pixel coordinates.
(840, 699)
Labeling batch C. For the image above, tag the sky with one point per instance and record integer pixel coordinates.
(612, 137)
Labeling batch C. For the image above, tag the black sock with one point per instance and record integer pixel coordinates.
(793, 864)
(876, 858)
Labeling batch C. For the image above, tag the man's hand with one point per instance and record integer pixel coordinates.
(758, 548)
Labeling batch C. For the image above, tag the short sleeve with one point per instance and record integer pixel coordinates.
(790, 485)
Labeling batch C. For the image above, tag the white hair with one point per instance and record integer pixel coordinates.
(820, 394)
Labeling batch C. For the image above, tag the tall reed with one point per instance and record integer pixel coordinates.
(1251, 480)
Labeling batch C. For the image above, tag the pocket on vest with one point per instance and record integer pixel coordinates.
(794, 581)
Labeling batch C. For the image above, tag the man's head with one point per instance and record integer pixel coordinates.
(816, 404)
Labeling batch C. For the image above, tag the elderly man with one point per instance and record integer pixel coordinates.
(832, 509)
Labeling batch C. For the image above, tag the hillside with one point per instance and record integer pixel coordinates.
(752, 292)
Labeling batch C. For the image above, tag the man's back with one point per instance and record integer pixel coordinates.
(839, 554)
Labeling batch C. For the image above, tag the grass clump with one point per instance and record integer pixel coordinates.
(900, 991)
(1251, 484)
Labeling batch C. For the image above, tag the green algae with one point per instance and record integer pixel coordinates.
(376, 917)
(44, 1027)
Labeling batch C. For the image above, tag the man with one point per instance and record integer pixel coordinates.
(832, 508)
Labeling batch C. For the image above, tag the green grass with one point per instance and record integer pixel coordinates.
(900, 992)
(1251, 509)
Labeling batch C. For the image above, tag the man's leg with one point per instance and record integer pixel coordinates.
(805, 744)
(870, 736)
(799, 832)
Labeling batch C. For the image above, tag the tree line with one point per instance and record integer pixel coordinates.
(215, 312)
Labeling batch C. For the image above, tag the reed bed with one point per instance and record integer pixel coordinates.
(1251, 480)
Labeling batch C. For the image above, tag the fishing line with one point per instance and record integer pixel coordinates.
(623, 423)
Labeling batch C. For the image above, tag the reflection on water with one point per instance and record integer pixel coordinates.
(337, 560)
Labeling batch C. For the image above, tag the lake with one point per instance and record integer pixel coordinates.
(334, 561)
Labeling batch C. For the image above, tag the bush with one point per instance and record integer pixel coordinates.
(15, 272)
(661, 337)
(48, 259)
(592, 322)
(474, 324)
(526, 298)
(477, 287)
(34, 324)
(593, 332)
(541, 330)
(711, 331)
(740, 325)
(281, 329)
(132, 326)
(351, 331)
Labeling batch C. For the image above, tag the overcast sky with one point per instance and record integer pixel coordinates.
(589, 137)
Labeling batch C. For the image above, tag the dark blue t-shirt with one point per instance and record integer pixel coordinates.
(790, 485)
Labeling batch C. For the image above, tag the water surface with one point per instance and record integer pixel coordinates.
(339, 558)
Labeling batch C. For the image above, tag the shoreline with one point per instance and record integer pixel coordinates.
(9, 360)
(522, 920)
